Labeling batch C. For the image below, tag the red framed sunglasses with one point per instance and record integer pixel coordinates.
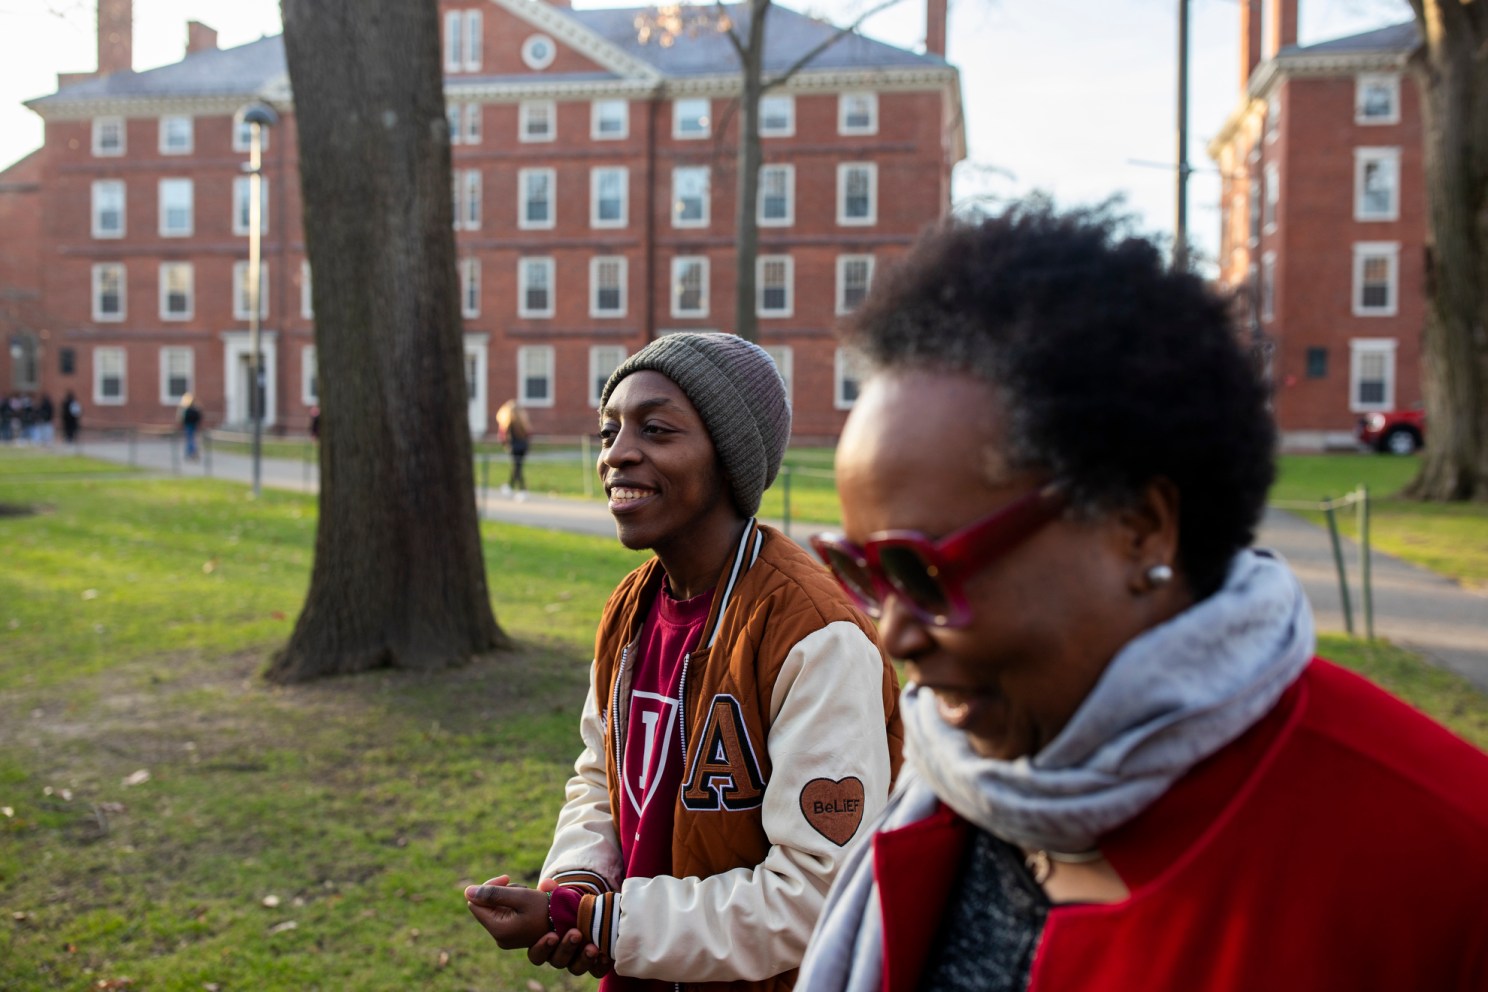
(929, 575)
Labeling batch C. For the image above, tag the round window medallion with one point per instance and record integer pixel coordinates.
(538, 51)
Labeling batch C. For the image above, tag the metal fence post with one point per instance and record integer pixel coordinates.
(132, 462)
(207, 452)
(175, 454)
(1364, 555)
(1331, 513)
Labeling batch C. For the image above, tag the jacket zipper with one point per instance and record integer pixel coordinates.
(615, 706)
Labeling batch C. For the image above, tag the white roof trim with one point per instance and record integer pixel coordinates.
(569, 31)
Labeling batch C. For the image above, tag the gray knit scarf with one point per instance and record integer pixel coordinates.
(1173, 696)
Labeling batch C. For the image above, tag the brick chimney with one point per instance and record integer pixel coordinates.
(115, 36)
(1281, 25)
(1250, 39)
(935, 27)
(200, 38)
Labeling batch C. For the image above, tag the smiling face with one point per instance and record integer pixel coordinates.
(924, 451)
(663, 477)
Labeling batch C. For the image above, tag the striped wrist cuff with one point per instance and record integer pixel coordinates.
(599, 918)
(578, 878)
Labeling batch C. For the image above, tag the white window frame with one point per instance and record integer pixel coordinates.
(787, 265)
(784, 358)
(190, 311)
(597, 111)
(845, 103)
(470, 287)
(845, 367)
(99, 272)
(462, 41)
(309, 376)
(189, 130)
(526, 265)
(242, 137)
(789, 172)
(166, 230)
(1271, 206)
(1363, 252)
(1362, 84)
(103, 187)
(686, 109)
(528, 114)
(677, 173)
(240, 291)
(784, 102)
(541, 358)
(166, 355)
(467, 197)
(1268, 286)
(307, 290)
(1363, 158)
(107, 356)
(464, 122)
(596, 180)
(546, 223)
(870, 169)
(1359, 348)
(678, 264)
(622, 275)
(1273, 118)
(843, 261)
(242, 205)
(102, 127)
(604, 359)
(534, 59)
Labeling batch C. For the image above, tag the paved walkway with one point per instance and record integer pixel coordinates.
(1412, 606)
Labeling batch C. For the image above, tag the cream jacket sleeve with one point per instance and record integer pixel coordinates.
(584, 840)
(826, 729)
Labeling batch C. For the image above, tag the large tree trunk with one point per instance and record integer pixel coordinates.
(398, 579)
(746, 220)
(1452, 68)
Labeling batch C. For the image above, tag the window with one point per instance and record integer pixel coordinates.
(108, 292)
(1371, 374)
(604, 359)
(467, 197)
(1376, 183)
(777, 195)
(176, 368)
(462, 41)
(309, 376)
(535, 186)
(175, 208)
(537, 120)
(607, 274)
(609, 120)
(854, 276)
(1273, 117)
(242, 204)
(535, 375)
(108, 376)
(691, 118)
(108, 137)
(1273, 198)
(1317, 363)
(847, 378)
(608, 192)
(690, 196)
(689, 286)
(177, 291)
(538, 52)
(857, 113)
(242, 300)
(1268, 286)
(784, 364)
(176, 135)
(1376, 278)
(774, 280)
(307, 294)
(1377, 99)
(470, 287)
(67, 361)
(857, 193)
(1255, 210)
(535, 287)
(464, 123)
(777, 116)
(243, 137)
(108, 208)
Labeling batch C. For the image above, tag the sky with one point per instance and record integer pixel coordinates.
(1075, 98)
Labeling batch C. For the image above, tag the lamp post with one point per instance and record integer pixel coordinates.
(257, 116)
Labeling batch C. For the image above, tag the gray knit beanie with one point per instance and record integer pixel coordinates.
(738, 392)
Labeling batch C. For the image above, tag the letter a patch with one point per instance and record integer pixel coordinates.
(725, 773)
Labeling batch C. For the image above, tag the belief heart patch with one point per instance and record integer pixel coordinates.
(833, 807)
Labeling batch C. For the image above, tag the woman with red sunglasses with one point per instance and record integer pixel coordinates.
(1124, 767)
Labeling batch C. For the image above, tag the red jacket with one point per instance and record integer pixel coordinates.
(1339, 844)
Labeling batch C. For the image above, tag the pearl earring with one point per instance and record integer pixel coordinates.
(1159, 575)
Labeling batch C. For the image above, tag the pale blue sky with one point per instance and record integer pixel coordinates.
(1067, 96)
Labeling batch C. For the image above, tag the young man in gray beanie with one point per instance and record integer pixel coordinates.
(742, 725)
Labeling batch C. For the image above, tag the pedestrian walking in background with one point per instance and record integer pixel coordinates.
(514, 430)
(72, 417)
(45, 414)
(190, 416)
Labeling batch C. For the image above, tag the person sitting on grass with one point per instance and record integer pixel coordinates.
(741, 727)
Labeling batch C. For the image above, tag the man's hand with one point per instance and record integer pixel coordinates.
(567, 950)
(517, 917)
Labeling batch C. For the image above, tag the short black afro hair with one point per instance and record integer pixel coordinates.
(1115, 370)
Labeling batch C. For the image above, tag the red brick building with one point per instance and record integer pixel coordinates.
(594, 209)
(1324, 225)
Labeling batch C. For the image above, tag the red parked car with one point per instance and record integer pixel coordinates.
(1395, 432)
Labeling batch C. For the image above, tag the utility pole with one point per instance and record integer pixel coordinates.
(1180, 222)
